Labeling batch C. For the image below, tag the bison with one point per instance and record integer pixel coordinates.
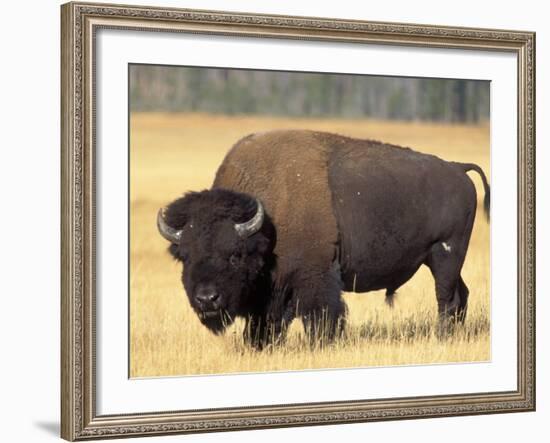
(295, 217)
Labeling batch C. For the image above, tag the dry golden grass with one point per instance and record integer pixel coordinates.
(174, 153)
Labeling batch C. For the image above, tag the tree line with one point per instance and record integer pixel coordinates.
(238, 91)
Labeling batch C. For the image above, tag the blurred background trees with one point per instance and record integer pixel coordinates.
(238, 91)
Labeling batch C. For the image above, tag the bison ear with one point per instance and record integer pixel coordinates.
(176, 213)
(259, 244)
(174, 251)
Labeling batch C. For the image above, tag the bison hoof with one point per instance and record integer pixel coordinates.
(447, 327)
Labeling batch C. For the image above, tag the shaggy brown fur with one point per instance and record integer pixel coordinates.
(287, 171)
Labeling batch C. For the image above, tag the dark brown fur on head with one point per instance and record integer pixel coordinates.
(214, 256)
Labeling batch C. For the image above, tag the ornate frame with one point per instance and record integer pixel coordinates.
(80, 21)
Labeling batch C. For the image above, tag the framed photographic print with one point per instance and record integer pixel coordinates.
(282, 221)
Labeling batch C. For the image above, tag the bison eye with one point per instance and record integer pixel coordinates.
(234, 260)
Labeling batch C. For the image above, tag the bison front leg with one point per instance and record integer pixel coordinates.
(261, 331)
(322, 310)
(323, 326)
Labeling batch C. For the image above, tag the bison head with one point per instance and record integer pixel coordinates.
(225, 241)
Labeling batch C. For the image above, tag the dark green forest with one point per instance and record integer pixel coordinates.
(237, 91)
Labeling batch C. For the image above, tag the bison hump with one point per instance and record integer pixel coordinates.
(287, 171)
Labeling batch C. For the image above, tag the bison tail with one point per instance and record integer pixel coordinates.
(487, 200)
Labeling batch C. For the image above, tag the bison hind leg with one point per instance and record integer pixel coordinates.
(445, 264)
(463, 293)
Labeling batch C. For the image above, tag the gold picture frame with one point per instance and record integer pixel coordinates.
(79, 22)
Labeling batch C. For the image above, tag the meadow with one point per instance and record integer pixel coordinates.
(171, 154)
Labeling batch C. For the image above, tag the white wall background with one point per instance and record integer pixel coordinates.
(29, 226)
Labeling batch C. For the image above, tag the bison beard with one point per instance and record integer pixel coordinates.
(295, 217)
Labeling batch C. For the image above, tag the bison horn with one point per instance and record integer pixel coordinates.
(169, 233)
(253, 225)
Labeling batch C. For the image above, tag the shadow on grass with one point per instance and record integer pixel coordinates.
(414, 328)
(403, 329)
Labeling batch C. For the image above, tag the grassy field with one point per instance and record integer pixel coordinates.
(174, 153)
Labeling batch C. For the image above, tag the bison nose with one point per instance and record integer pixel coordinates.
(207, 296)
